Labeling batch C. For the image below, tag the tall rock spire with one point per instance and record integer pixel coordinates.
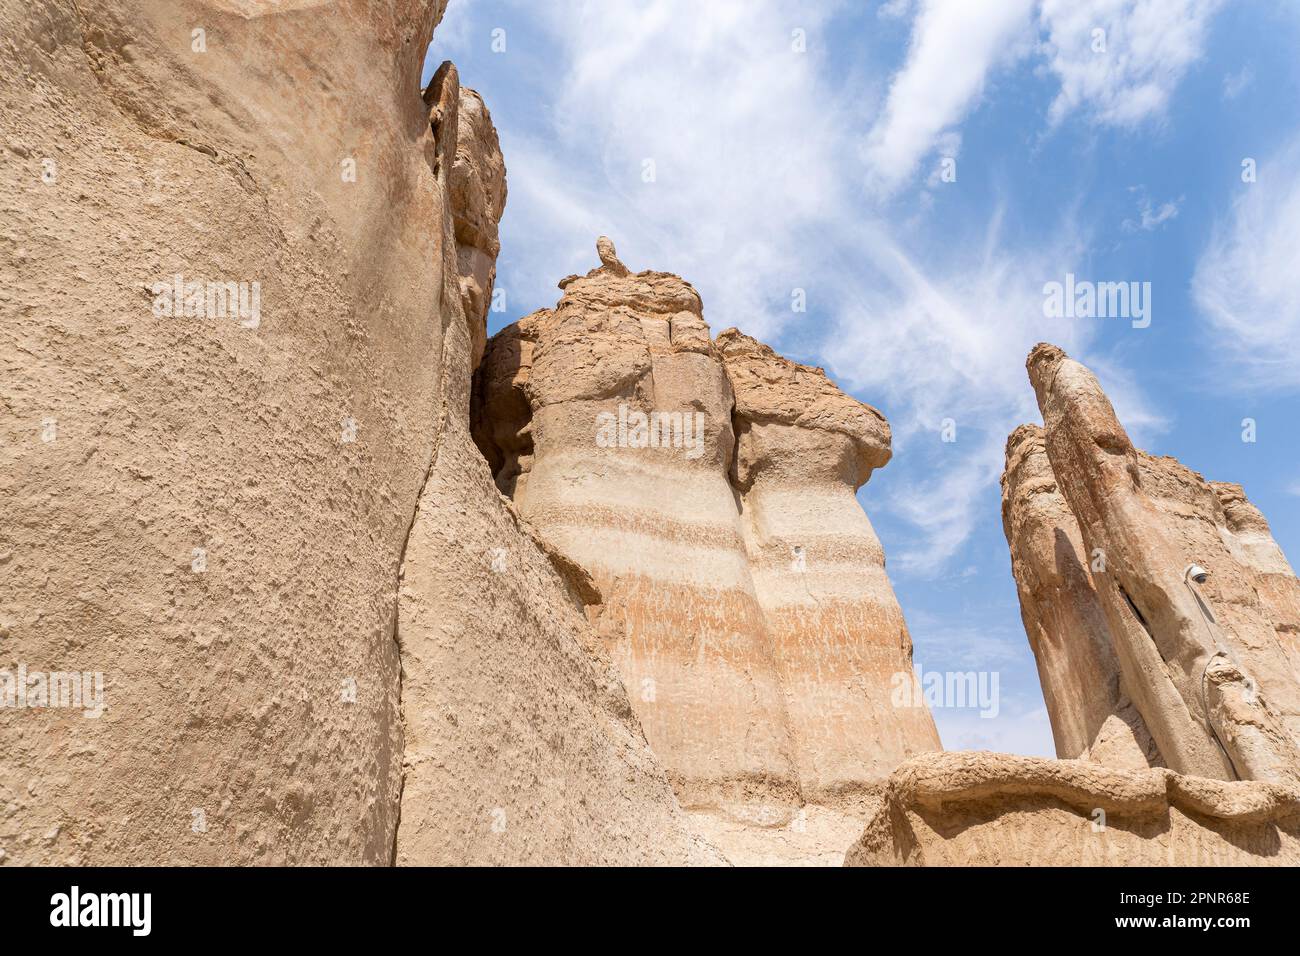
(1200, 659)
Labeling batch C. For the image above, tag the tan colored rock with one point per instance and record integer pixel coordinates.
(803, 448)
(985, 809)
(1091, 717)
(686, 477)
(212, 509)
(1101, 537)
(567, 394)
(478, 199)
(1245, 530)
(521, 746)
(609, 257)
(1202, 662)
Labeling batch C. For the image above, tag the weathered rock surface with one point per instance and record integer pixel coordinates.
(248, 265)
(1246, 533)
(1091, 717)
(211, 508)
(478, 199)
(986, 809)
(656, 527)
(521, 746)
(1206, 664)
(707, 488)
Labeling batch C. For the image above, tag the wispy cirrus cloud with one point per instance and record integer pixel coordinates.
(943, 354)
(954, 45)
(1247, 280)
(1151, 215)
(1116, 61)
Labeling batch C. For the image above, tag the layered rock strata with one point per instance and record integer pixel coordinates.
(707, 488)
(803, 449)
(248, 263)
(1143, 660)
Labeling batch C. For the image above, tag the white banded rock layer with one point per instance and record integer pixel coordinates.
(803, 448)
(655, 527)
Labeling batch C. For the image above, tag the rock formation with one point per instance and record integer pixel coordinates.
(1246, 533)
(1144, 662)
(1091, 716)
(287, 581)
(803, 449)
(210, 483)
(1201, 660)
(478, 197)
(986, 809)
(708, 490)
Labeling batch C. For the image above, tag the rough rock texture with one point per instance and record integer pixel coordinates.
(657, 528)
(478, 198)
(985, 809)
(1091, 717)
(212, 509)
(1246, 533)
(1206, 664)
(742, 591)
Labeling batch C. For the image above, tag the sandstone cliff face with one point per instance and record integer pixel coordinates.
(521, 746)
(210, 506)
(708, 490)
(1091, 717)
(1203, 663)
(986, 809)
(251, 263)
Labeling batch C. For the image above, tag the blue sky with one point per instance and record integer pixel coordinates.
(798, 145)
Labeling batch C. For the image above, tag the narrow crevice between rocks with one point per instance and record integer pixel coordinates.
(432, 100)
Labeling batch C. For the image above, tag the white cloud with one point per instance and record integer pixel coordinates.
(452, 32)
(1151, 216)
(894, 9)
(1126, 74)
(926, 347)
(1234, 84)
(1247, 280)
(954, 44)
(1119, 59)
